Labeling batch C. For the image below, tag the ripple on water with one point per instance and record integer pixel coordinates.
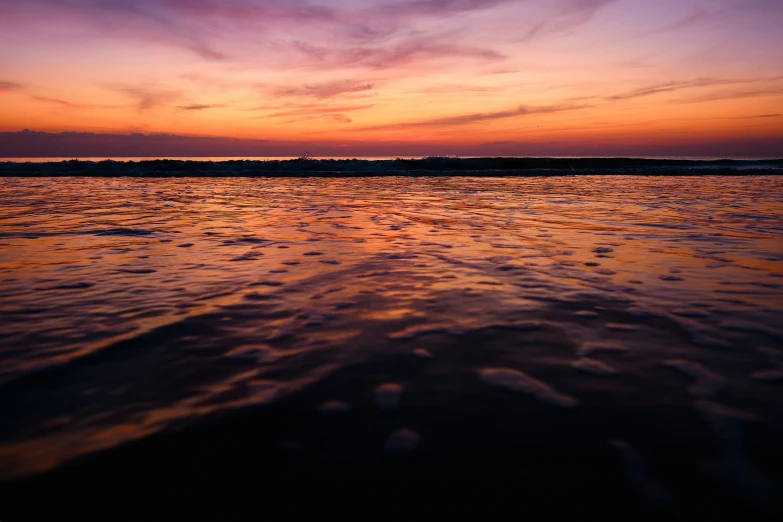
(706, 384)
(249, 256)
(516, 381)
(256, 353)
(600, 346)
(523, 326)
(670, 278)
(593, 367)
(128, 232)
(425, 329)
(775, 357)
(387, 395)
(422, 353)
(402, 440)
(81, 285)
(334, 408)
(637, 472)
(620, 327)
(769, 375)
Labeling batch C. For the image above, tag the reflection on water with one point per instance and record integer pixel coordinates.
(131, 306)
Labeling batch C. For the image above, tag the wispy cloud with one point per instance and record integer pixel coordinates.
(315, 110)
(146, 97)
(578, 12)
(750, 117)
(199, 107)
(24, 91)
(312, 51)
(326, 89)
(413, 51)
(673, 86)
(455, 88)
(465, 119)
(437, 7)
(668, 87)
(220, 29)
(57, 101)
(198, 26)
(732, 95)
(697, 17)
(10, 86)
(568, 16)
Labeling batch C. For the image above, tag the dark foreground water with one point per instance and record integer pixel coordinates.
(390, 348)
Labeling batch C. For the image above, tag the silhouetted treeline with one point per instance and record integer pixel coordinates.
(432, 166)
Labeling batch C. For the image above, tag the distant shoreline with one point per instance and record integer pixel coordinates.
(433, 166)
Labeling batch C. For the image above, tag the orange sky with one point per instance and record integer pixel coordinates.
(401, 77)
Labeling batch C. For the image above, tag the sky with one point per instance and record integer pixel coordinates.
(391, 77)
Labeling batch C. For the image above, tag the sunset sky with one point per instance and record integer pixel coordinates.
(391, 77)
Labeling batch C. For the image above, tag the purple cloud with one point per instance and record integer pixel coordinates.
(412, 51)
(146, 98)
(570, 15)
(235, 29)
(326, 89)
(438, 7)
(310, 110)
(10, 86)
(733, 95)
(673, 86)
(464, 119)
(199, 107)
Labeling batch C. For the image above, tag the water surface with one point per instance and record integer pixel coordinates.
(131, 307)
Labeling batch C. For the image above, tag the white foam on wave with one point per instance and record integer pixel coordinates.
(519, 382)
(593, 367)
(707, 383)
(387, 395)
(599, 346)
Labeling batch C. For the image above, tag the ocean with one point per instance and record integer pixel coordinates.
(426, 346)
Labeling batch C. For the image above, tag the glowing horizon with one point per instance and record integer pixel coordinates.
(400, 77)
